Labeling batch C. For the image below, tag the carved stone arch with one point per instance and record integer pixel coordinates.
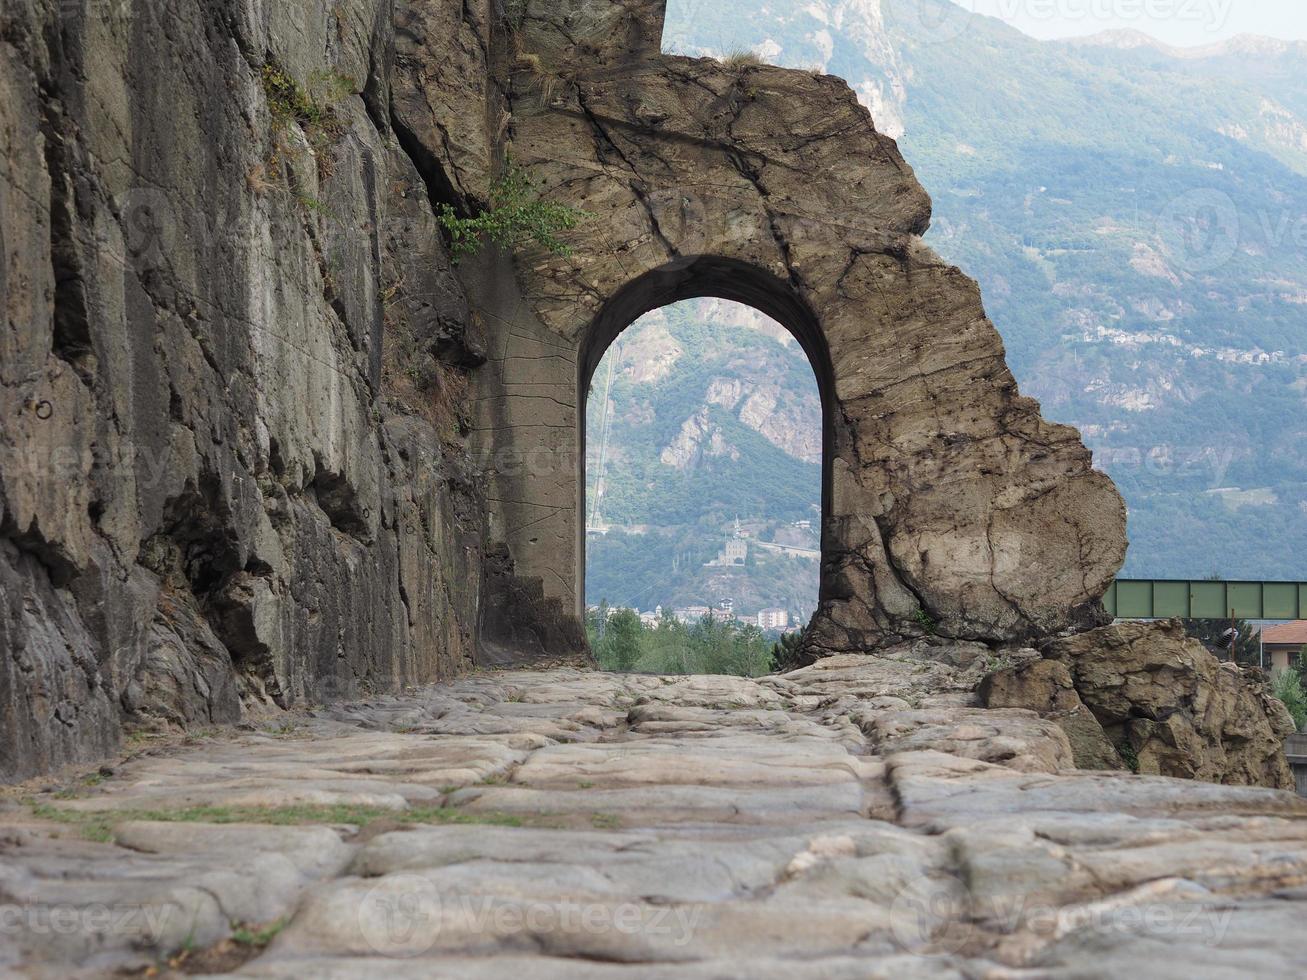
(718, 277)
(951, 505)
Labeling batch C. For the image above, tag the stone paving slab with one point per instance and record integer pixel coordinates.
(861, 818)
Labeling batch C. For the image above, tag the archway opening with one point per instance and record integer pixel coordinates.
(705, 478)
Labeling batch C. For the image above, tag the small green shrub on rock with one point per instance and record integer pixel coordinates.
(310, 107)
(1287, 686)
(739, 58)
(1129, 756)
(516, 216)
(787, 653)
(926, 621)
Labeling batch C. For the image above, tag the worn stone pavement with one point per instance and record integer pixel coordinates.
(859, 818)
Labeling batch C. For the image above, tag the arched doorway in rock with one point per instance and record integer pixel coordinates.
(687, 381)
(951, 506)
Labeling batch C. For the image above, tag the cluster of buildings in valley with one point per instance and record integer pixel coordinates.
(735, 554)
(765, 619)
(773, 619)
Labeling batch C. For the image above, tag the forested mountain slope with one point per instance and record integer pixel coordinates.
(699, 414)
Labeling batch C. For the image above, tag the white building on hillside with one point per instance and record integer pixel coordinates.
(735, 553)
(773, 619)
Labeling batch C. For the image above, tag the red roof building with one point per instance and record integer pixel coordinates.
(1284, 643)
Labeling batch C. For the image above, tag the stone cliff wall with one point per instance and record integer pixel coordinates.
(231, 371)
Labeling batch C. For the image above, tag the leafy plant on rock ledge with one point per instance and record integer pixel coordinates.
(926, 621)
(1128, 755)
(310, 108)
(997, 662)
(517, 215)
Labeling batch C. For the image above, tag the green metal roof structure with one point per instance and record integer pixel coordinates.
(1168, 598)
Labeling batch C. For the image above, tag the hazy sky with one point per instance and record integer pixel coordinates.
(1181, 22)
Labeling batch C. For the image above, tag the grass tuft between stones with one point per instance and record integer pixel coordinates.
(97, 825)
(244, 934)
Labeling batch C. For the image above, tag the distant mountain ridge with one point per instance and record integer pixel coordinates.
(1241, 45)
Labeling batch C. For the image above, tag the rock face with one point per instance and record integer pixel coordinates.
(1046, 686)
(1146, 695)
(860, 818)
(215, 259)
(235, 356)
(947, 497)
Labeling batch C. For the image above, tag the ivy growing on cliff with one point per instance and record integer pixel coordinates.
(517, 215)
